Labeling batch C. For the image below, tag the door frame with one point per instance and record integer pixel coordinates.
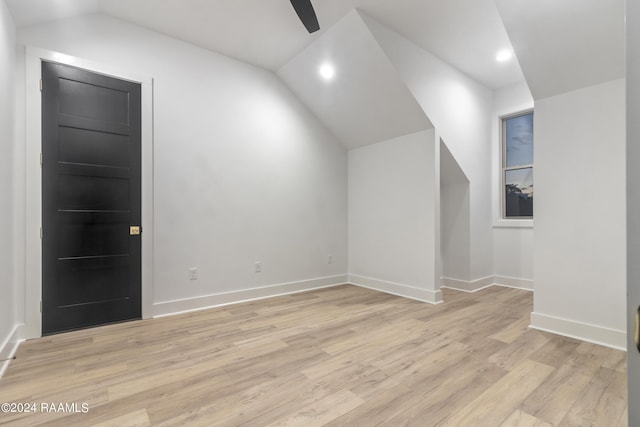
(33, 220)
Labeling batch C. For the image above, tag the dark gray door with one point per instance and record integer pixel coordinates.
(633, 207)
(90, 199)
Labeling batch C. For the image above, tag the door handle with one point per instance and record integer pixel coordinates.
(134, 230)
(636, 335)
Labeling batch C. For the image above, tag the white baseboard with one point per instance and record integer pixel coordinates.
(485, 282)
(168, 308)
(424, 295)
(513, 282)
(466, 285)
(582, 331)
(9, 347)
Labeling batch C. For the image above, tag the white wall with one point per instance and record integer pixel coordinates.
(633, 204)
(512, 239)
(460, 110)
(513, 256)
(243, 172)
(392, 216)
(579, 248)
(7, 278)
(455, 214)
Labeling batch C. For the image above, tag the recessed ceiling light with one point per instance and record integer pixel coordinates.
(504, 55)
(327, 71)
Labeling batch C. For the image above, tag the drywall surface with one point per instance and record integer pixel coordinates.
(633, 205)
(512, 239)
(455, 217)
(243, 172)
(392, 211)
(366, 101)
(579, 248)
(7, 279)
(460, 110)
(513, 255)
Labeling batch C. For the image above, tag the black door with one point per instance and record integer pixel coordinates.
(91, 272)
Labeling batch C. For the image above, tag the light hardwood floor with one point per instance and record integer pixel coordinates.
(342, 356)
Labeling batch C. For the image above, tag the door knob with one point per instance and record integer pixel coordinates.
(134, 230)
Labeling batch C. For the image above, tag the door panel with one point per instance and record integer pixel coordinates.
(93, 234)
(84, 280)
(79, 189)
(91, 196)
(91, 147)
(89, 100)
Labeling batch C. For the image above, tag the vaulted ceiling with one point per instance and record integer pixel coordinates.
(561, 46)
(366, 101)
(465, 33)
(566, 45)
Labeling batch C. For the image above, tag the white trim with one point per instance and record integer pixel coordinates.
(512, 223)
(406, 291)
(168, 308)
(486, 282)
(582, 331)
(33, 220)
(496, 169)
(513, 282)
(466, 285)
(9, 347)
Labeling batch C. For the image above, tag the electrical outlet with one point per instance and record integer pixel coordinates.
(193, 274)
(330, 259)
(258, 267)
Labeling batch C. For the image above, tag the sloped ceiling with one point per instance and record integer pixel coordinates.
(566, 45)
(466, 34)
(267, 33)
(560, 45)
(261, 32)
(366, 101)
(29, 12)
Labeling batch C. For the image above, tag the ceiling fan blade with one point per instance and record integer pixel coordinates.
(307, 15)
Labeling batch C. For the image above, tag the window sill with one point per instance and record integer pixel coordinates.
(513, 223)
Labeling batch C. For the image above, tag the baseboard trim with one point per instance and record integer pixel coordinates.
(9, 347)
(486, 282)
(513, 282)
(424, 295)
(168, 308)
(466, 285)
(582, 331)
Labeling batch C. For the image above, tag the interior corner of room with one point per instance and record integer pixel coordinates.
(260, 179)
(250, 166)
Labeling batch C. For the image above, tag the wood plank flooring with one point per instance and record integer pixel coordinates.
(342, 356)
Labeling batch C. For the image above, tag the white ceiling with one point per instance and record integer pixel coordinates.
(464, 33)
(29, 12)
(561, 46)
(366, 101)
(566, 45)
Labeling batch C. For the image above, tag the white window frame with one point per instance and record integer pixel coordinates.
(504, 168)
(499, 220)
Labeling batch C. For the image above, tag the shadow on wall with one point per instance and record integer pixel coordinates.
(454, 217)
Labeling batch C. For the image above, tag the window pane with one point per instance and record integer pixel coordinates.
(518, 192)
(519, 140)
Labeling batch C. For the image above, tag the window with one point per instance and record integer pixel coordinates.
(517, 166)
